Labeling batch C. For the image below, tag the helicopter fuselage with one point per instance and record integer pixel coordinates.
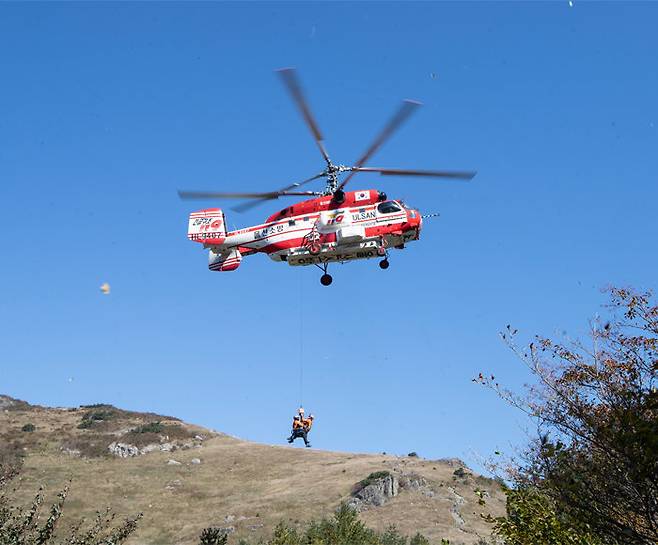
(317, 231)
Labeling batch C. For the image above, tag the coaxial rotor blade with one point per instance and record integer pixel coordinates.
(196, 195)
(250, 204)
(257, 198)
(458, 175)
(291, 81)
(407, 108)
(193, 195)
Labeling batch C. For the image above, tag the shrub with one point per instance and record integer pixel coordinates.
(28, 527)
(213, 536)
(344, 528)
(284, 535)
(392, 537)
(151, 427)
(90, 417)
(532, 518)
(419, 539)
(28, 428)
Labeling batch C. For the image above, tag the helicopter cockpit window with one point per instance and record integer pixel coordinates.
(388, 207)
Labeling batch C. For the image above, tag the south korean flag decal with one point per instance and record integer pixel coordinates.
(362, 196)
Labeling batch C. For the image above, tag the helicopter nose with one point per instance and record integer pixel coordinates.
(414, 221)
(414, 218)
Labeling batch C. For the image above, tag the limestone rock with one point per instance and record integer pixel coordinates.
(123, 450)
(375, 494)
(413, 481)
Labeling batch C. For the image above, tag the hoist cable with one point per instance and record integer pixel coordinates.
(301, 342)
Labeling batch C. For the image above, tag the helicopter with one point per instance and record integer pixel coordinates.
(334, 225)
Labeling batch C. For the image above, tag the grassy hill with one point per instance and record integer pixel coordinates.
(185, 477)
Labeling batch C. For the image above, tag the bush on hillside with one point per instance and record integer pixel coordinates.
(151, 427)
(213, 536)
(343, 528)
(33, 526)
(156, 432)
(28, 428)
(419, 539)
(91, 417)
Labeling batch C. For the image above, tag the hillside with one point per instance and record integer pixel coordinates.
(184, 477)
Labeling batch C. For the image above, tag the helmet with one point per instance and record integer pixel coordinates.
(311, 416)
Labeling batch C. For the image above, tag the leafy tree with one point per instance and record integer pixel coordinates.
(392, 537)
(532, 519)
(344, 528)
(595, 459)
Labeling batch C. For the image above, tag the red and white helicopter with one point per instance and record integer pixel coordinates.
(335, 226)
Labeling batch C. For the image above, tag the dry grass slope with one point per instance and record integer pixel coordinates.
(240, 485)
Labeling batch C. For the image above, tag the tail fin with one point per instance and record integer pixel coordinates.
(207, 226)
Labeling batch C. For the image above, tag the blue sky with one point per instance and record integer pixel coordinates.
(107, 109)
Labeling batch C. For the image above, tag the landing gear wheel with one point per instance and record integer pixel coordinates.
(384, 264)
(326, 279)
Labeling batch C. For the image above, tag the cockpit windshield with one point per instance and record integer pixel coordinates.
(389, 207)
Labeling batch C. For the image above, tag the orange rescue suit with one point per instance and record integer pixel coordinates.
(307, 423)
(297, 425)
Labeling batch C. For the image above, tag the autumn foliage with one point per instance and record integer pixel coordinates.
(596, 406)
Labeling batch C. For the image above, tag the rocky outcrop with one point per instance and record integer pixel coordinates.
(377, 489)
(455, 509)
(416, 483)
(413, 481)
(375, 492)
(123, 450)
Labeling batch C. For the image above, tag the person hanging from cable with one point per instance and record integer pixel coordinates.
(307, 423)
(300, 427)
